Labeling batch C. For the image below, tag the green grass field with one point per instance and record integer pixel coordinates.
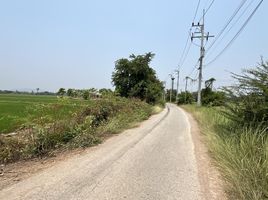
(16, 110)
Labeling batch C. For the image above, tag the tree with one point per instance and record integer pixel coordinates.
(106, 92)
(61, 91)
(70, 92)
(86, 94)
(134, 77)
(173, 95)
(185, 98)
(249, 97)
(154, 92)
(210, 97)
(37, 90)
(209, 83)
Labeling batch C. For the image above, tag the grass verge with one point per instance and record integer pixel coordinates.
(241, 154)
(84, 125)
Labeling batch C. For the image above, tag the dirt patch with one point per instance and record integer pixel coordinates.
(210, 180)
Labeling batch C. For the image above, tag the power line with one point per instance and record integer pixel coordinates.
(226, 33)
(196, 75)
(187, 52)
(206, 10)
(186, 49)
(194, 68)
(237, 34)
(183, 57)
(206, 2)
(227, 24)
(196, 10)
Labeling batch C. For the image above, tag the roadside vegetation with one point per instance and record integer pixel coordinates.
(237, 134)
(70, 124)
(33, 125)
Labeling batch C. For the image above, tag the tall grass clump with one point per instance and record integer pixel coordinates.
(240, 153)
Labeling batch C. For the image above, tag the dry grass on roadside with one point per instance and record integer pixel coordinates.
(241, 154)
(85, 127)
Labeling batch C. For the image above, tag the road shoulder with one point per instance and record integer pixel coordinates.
(16, 172)
(209, 177)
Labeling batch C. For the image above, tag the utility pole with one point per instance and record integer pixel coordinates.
(164, 92)
(172, 84)
(201, 36)
(186, 85)
(178, 82)
(172, 88)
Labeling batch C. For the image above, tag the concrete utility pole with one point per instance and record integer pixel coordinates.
(201, 36)
(186, 84)
(164, 92)
(178, 82)
(172, 85)
(172, 88)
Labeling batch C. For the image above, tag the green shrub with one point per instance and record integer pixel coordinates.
(211, 98)
(249, 97)
(185, 98)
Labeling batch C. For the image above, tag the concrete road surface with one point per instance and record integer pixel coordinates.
(154, 161)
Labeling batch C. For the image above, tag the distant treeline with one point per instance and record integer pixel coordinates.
(85, 93)
(25, 92)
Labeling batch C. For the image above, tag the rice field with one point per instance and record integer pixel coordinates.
(17, 109)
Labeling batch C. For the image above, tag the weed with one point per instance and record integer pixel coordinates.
(241, 154)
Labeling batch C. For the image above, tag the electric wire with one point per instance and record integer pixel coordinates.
(227, 24)
(237, 34)
(206, 10)
(187, 47)
(187, 52)
(227, 32)
(194, 68)
(196, 10)
(206, 2)
(184, 49)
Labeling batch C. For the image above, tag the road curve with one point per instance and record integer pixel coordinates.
(154, 161)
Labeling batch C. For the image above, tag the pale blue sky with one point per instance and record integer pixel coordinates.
(74, 43)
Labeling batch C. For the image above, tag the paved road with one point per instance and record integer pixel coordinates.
(155, 161)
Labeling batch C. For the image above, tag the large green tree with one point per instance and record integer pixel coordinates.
(134, 77)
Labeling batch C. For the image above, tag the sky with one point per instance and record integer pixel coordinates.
(49, 44)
